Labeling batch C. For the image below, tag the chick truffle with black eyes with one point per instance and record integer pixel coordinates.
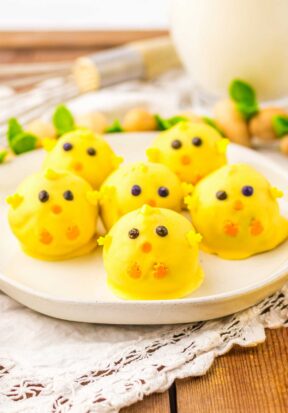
(190, 150)
(133, 185)
(54, 215)
(83, 153)
(152, 253)
(236, 211)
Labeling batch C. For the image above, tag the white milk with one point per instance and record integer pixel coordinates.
(219, 40)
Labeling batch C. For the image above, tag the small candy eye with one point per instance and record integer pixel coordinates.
(91, 151)
(133, 233)
(161, 231)
(163, 191)
(68, 195)
(196, 141)
(176, 144)
(43, 196)
(67, 146)
(221, 195)
(247, 190)
(136, 190)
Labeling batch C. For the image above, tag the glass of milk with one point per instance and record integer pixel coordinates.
(220, 40)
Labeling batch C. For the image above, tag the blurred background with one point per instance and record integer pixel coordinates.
(215, 41)
(40, 41)
(75, 26)
(84, 14)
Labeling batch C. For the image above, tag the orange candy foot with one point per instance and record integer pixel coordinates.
(231, 229)
(72, 232)
(160, 270)
(45, 237)
(135, 271)
(256, 228)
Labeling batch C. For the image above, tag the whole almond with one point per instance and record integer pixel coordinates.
(261, 125)
(139, 120)
(231, 122)
(284, 145)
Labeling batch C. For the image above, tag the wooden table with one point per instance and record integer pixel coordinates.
(242, 381)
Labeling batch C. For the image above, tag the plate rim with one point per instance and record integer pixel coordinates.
(276, 276)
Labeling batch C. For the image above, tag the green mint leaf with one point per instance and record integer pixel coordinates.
(242, 92)
(280, 125)
(212, 122)
(176, 119)
(3, 155)
(115, 127)
(246, 110)
(23, 142)
(63, 120)
(161, 123)
(245, 98)
(14, 128)
(164, 124)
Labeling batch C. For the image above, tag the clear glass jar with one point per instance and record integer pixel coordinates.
(220, 40)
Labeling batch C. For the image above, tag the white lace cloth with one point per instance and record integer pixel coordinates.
(53, 366)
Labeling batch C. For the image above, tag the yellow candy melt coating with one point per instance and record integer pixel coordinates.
(117, 199)
(151, 267)
(93, 168)
(238, 226)
(190, 162)
(57, 228)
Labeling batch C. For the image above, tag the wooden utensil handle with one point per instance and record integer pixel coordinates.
(146, 59)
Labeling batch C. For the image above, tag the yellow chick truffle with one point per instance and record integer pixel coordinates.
(133, 185)
(191, 150)
(84, 153)
(54, 215)
(236, 211)
(151, 254)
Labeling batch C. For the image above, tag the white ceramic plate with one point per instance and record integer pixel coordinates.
(76, 290)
